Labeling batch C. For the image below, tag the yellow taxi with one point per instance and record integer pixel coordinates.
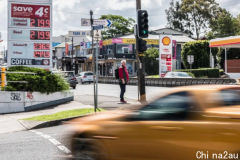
(186, 123)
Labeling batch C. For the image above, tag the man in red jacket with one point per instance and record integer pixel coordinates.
(123, 79)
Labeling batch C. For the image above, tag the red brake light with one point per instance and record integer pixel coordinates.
(84, 76)
(73, 78)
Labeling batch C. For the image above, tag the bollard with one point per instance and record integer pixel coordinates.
(3, 76)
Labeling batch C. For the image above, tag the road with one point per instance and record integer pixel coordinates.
(42, 144)
(52, 143)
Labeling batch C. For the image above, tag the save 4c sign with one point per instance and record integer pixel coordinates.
(30, 33)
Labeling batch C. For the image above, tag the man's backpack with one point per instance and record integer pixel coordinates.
(116, 74)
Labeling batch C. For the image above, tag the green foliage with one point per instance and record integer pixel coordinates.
(120, 26)
(202, 72)
(201, 51)
(151, 64)
(191, 74)
(192, 15)
(223, 25)
(43, 81)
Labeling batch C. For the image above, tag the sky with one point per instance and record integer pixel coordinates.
(67, 14)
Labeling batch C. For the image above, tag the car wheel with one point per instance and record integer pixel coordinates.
(74, 87)
(85, 148)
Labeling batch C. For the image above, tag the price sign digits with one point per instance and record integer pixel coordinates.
(41, 46)
(40, 35)
(40, 23)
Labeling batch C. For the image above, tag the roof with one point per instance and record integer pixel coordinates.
(227, 42)
(179, 39)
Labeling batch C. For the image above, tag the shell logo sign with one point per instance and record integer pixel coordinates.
(166, 41)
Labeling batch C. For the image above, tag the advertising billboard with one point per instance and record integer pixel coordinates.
(29, 33)
(165, 54)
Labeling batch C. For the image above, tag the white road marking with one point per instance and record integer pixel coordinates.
(39, 133)
(64, 149)
(54, 141)
(46, 136)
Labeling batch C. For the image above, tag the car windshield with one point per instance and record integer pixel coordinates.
(88, 74)
(183, 75)
(68, 74)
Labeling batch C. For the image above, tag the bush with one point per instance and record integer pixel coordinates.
(203, 72)
(43, 81)
(200, 50)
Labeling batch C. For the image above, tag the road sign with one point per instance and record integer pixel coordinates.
(190, 59)
(96, 22)
(98, 27)
(97, 35)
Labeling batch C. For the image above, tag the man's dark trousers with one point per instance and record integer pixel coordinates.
(123, 90)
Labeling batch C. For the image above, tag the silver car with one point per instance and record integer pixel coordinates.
(177, 75)
(85, 77)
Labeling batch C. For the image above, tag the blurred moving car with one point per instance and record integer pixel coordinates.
(69, 76)
(186, 123)
(85, 77)
(177, 75)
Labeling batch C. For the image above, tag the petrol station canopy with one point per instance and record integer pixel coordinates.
(227, 42)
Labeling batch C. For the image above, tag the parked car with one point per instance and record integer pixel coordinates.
(69, 77)
(85, 77)
(177, 75)
(185, 123)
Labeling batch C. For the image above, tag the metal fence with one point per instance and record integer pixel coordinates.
(172, 82)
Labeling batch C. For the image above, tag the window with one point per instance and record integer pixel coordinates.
(230, 97)
(110, 49)
(171, 107)
(124, 49)
(88, 74)
(183, 74)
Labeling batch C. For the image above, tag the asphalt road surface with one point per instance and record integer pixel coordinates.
(41, 144)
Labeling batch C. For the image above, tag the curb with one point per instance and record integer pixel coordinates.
(55, 122)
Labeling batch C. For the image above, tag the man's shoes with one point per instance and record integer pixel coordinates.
(123, 101)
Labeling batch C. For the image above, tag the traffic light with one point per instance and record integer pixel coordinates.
(142, 23)
(142, 45)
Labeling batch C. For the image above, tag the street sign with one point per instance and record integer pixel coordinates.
(98, 27)
(97, 35)
(190, 59)
(96, 22)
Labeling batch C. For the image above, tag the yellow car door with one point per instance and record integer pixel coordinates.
(172, 128)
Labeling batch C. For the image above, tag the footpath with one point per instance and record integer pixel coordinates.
(13, 123)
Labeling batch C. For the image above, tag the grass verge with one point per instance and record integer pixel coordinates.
(62, 115)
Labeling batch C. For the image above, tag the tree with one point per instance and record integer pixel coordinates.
(175, 18)
(201, 51)
(151, 64)
(192, 15)
(120, 26)
(223, 25)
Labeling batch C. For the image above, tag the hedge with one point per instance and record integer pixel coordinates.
(203, 72)
(43, 82)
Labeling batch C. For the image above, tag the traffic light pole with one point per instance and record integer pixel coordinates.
(140, 65)
(93, 63)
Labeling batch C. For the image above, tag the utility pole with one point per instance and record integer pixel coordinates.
(72, 53)
(93, 62)
(140, 65)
